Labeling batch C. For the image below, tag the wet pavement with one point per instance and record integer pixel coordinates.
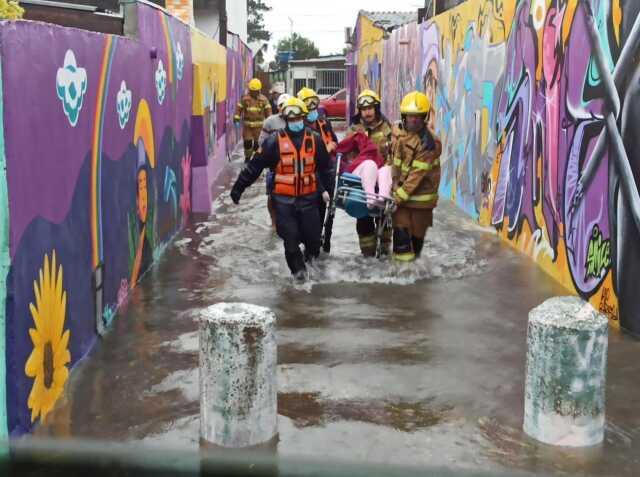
(378, 363)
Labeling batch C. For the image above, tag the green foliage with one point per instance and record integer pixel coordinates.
(302, 47)
(255, 24)
(10, 10)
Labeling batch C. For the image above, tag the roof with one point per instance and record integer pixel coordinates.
(320, 59)
(390, 20)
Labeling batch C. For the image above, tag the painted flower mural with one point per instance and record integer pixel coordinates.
(123, 104)
(71, 86)
(50, 355)
(161, 82)
(179, 61)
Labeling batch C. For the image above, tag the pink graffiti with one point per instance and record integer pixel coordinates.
(123, 293)
(185, 196)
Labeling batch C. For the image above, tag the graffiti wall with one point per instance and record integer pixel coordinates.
(401, 68)
(367, 56)
(208, 127)
(97, 166)
(239, 72)
(521, 106)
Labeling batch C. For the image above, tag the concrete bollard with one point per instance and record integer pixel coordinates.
(238, 393)
(567, 344)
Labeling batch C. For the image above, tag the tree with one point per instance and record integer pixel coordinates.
(256, 30)
(302, 47)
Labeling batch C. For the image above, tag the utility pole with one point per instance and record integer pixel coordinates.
(222, 6)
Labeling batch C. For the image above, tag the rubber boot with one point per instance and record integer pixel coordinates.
(417, 244)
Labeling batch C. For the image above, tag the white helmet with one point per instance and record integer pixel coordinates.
(283, 98)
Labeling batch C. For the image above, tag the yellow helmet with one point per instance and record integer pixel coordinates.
(415, 103)
(310, 98)
(294, 108)
(368, 98)
(255, 85)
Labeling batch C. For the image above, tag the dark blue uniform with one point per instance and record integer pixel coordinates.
(296, 217)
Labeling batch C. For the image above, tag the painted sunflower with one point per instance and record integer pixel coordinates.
(50, 355)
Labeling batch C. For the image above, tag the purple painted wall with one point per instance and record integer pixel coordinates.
(98, 176)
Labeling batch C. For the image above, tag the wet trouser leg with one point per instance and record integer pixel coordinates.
(310, 229)
(409, 229)
(366, 229)
(249, 147)
(289, 231)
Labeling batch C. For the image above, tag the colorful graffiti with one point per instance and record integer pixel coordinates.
(94, 175)
(529, 96)
(400, 69)
(365, 59)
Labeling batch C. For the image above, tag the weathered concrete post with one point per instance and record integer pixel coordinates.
(567, 344)
(238, 393)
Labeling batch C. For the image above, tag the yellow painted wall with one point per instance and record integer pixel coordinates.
(210, 70)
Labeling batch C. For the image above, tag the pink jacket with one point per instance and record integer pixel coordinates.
(365, 149)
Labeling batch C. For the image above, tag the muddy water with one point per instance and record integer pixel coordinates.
(377, 362)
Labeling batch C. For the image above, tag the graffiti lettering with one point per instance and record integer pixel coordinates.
(599, 254)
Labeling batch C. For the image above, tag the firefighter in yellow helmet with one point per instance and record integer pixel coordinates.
(370, 121)
(320, 124)
(416, 176)
(301, 166)
(252, 110)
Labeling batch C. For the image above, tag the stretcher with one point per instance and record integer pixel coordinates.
(349, 196)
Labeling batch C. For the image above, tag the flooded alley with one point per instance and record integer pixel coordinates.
(377, 362)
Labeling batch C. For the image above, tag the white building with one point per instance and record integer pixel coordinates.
(207, 14)
(325, 74)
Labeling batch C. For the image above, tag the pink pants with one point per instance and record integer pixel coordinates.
(370, 174)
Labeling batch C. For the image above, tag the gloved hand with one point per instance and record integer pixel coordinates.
(235, 195)
(326, 197)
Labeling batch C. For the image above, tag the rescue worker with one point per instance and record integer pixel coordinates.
(416, 177)
(322, 126)
(301, 164)
(252, 110)
(272, 124)
(371, 121)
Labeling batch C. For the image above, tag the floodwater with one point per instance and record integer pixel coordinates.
(377, 363)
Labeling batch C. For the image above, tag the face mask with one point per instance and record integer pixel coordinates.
(313, 115)
(296, 126)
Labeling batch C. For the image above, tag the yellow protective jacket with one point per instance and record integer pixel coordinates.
(416, 168)
(380, 134)
(253, 111)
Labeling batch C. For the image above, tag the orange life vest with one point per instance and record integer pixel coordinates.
(324, 132)
(296, 171)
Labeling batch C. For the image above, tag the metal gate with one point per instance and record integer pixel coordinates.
(329, 81)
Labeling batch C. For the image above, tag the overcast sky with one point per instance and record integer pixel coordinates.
(323, 21)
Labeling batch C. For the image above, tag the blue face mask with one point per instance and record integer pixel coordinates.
(296, 126)
(313, 115)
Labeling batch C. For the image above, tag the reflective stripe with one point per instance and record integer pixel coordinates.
(240, 105)
(423, 197)
(404, 257)
(253, 124)
(402, 194)
(397, 161)
(236, 117)
(367, 241)
(425, 166)
(253, 109)
(405, 168)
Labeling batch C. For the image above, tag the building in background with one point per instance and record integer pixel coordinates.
(214, 17)
(325, 74)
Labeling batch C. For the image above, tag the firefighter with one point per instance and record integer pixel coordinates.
(370, 121)
(252, 110)
(301, 164)
(322, 126)
(271, 125)
(416, 177)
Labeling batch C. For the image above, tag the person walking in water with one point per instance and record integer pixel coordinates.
(302, 167)
(252, 110)
(416, 177)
